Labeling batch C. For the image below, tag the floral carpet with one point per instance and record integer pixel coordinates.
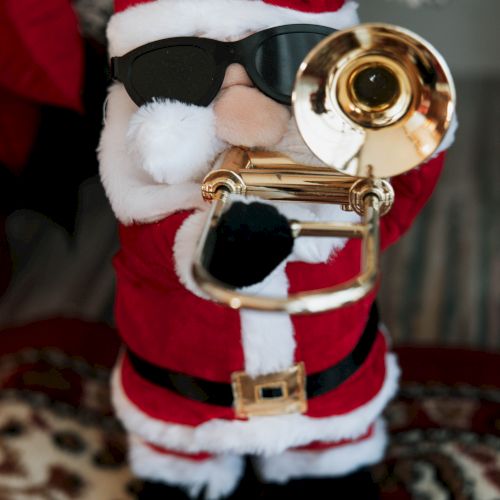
(59, 439)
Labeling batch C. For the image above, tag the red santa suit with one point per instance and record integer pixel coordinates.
(166, 321)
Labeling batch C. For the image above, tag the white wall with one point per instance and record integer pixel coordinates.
(466, 32)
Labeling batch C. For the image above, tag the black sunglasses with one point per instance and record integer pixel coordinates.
(191, 69)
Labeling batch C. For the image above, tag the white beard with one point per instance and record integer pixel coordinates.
(172, 141)
(294, 146)
(153, 158)
(176, 142)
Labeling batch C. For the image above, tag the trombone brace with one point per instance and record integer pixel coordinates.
(275, 177)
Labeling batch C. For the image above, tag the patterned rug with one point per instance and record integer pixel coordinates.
(59, 439)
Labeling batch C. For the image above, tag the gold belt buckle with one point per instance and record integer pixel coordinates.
(273, 394)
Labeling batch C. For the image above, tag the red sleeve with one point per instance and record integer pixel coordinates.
(146, 250)
(413, 190)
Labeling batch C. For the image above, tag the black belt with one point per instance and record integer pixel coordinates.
(221, 394)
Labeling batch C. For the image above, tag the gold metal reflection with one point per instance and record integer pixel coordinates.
(288, 393)
(371, 102)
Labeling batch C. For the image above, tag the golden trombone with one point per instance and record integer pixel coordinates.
(371, 102)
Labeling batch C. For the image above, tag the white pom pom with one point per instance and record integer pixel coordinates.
(172, 141)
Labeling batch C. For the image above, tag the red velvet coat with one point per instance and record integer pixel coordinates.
(168, 325)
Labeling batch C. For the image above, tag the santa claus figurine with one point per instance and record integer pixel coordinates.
(180, 101)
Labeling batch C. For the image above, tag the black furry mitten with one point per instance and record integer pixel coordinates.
(249, 242)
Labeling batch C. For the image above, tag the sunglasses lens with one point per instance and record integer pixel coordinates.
(278, 58)
(183, 73)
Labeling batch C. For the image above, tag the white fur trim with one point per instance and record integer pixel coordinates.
(258, 435)
(218, 19)
(173, 141)
(268, 337)
(186, 242)
(324, 463)
(134, 195)
(219, 475)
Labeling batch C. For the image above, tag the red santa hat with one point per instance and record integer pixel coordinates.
(302, 5)
(137, 22)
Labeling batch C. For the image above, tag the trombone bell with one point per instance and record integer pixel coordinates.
(371, 102)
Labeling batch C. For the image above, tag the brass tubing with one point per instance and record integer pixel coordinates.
(301, 185)
(276, 177)
(309, 302)
(327, 229)
(318, 186)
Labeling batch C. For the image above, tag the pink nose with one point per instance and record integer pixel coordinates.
(236, 75)
(245, 116)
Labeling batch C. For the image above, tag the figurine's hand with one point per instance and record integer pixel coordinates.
(249, 242)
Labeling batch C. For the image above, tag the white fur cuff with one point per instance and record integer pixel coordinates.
(326, 463)
(219, 475)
